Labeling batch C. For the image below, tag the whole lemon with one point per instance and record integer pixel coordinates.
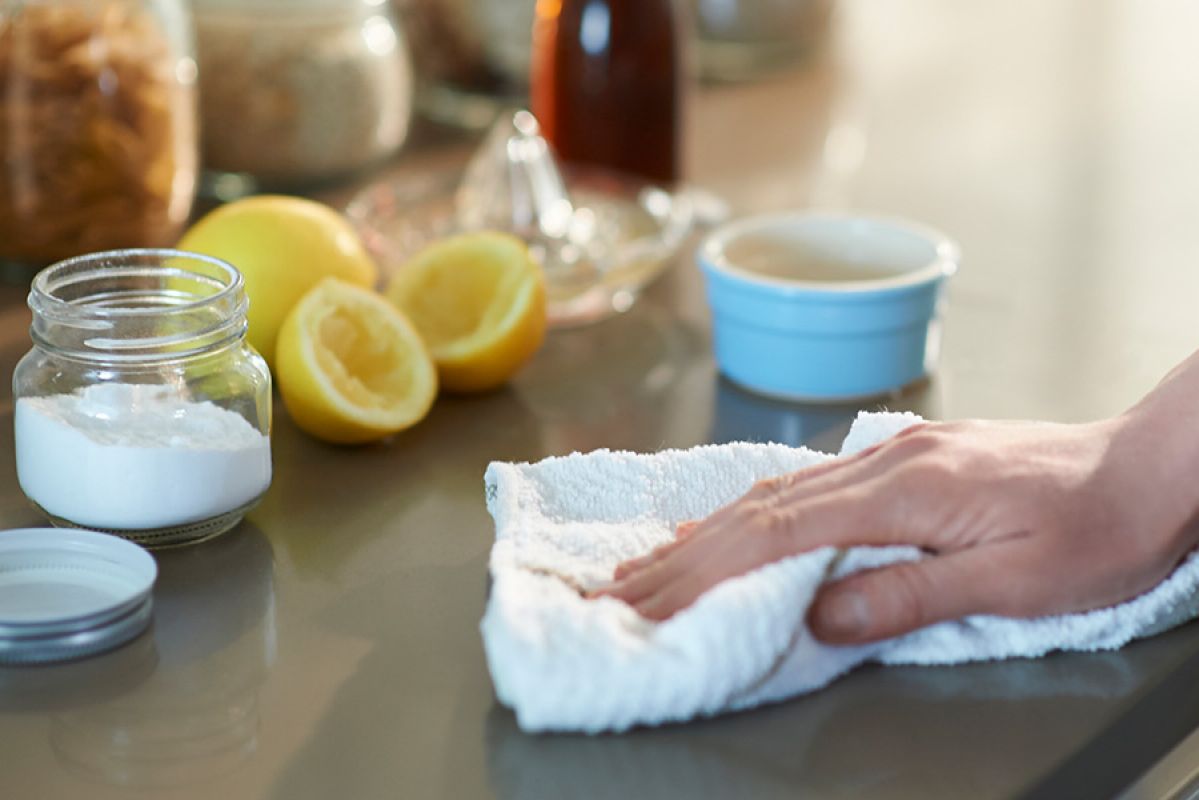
(283, 246)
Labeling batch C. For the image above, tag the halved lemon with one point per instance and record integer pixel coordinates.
(478, 300)
(350, 367)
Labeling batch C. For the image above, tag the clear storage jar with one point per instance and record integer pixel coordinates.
(472, 57)
(98, 135)
(297, 93)
(742, 40)
(141, 410)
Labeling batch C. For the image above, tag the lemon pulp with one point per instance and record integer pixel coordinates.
(351, 368)
(478, 301)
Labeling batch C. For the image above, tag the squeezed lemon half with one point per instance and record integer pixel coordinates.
(478, 301)
(350, 367)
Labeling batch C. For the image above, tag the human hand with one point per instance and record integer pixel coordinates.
(1020, 519)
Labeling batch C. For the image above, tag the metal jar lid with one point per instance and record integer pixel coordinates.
(66, 594)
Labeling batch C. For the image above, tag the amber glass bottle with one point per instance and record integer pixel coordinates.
(606, 83)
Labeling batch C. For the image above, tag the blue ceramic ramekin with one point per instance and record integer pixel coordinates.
(828, 340)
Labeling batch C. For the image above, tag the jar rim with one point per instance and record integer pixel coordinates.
(44, 287)
(138, 305)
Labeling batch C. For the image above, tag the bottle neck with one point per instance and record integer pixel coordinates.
(137, 307)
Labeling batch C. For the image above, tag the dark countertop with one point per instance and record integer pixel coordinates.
(329, 647)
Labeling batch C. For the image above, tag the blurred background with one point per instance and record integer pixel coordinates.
(1054, 139)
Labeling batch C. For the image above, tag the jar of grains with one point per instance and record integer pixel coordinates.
(97, 126)
(141, 410)
(295, 93)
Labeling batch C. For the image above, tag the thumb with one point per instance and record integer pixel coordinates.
(897, 599)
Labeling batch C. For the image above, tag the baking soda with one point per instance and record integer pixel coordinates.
(136, 457)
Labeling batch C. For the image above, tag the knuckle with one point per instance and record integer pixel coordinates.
(770, 490)
(912, 443)
(776, 521)
(919, 436)
(927, 436)
(765, 488)
(913, 430)
(770, 527)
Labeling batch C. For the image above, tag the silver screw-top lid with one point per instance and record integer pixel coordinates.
(66, 594)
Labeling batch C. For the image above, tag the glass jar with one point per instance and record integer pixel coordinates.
(141, 410)
(297, 93)
(97, 126)
(471, 56)
(743, 39)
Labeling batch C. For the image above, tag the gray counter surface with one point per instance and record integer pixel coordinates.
(329, 647)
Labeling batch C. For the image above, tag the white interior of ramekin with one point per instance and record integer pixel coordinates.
(914, 253)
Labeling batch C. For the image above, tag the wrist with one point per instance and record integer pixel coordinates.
(1153, 462)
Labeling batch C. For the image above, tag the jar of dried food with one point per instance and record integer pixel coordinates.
(298, 92)
(97, 126)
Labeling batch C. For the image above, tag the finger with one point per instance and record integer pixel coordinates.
(836, 494)
(674, 596)
(782, 490)
(733, 543)
(685, 586)
(773, 500)
(627, 568)
(638, 583)
(725, 557)
(795, 488)
(787, 489)
(912, 503)
(894, 600)
(648, 578)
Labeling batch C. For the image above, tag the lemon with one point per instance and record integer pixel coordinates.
(478, 300)
(350, 367)
(283, 246)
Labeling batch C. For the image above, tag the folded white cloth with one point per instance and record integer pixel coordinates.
(567, 663)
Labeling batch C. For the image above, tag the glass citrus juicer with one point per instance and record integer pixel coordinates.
(600, 236)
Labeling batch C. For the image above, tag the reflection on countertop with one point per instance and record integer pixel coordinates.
(100, 679)
(742, 416)
(615, 384)
(811, 744)
(195, 716)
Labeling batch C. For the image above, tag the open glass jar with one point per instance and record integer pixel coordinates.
(141, 410)
(97, 126)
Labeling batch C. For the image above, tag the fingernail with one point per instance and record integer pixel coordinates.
(844, 614)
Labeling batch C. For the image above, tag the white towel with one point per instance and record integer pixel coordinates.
(566, 663)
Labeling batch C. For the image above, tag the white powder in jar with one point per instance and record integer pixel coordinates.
(137, 457)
